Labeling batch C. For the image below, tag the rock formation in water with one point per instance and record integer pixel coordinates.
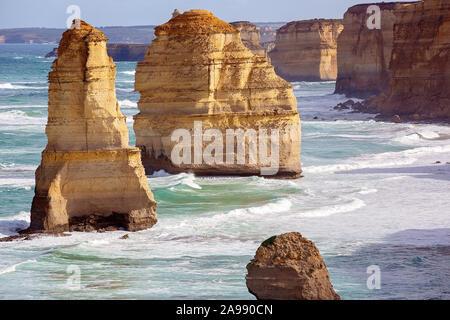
(89, 176)
(250, 36)
(364, 54)
(420, 64)
(306, 50)
(118, 51)
(127, 51)
(198, 70)
(289, 267)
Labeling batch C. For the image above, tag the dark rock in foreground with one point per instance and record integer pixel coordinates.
(289, 267)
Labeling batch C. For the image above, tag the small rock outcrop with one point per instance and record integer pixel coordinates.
(89, 177)
(127, 51)
(364, 54)
(250, 36)
(420, 64)
(176, 13)
(289, 267)
(306, 50)
(197, 70)
(118, 51)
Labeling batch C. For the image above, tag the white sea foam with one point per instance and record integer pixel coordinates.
(188, 180)
(18, 117)
(282, 205)
(14, 266)
(326, 211)
(10, 225)
(159, 173)
(127, 104)
(24, 183)
(381, 160)
(125, 89)
(13, 167)
(11, 86)
(367, 191)
(23, 106)
(132, 73)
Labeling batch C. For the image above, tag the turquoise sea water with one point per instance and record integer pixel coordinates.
(372, 195)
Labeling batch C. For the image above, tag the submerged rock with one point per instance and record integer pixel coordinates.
(306, 50)
(89, 177)
(197, 70)
(289, 267)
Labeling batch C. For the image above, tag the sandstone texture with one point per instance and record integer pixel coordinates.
(307, 50)
(364, 54)
(88, 173)
(289, 267)
(250, 36)
(198, 69)
(420, 64)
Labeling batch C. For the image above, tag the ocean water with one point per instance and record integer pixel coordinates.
(372, 194)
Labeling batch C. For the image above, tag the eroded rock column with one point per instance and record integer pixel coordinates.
(197, 70)
(89, 176)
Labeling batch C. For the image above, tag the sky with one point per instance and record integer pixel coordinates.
(52, 13)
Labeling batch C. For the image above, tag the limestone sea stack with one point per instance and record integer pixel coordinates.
(307, 50)
(198, 75)
(89, 176)
(250, 36)
(364, 54)
(420, 65)
(289, 267)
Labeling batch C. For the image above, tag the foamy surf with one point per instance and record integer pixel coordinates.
(326, 211)
(14, 266)
(12, 224)
(127, 104)
(11, 86)
(382, 160)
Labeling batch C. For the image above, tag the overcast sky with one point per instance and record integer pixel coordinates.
(52, 13)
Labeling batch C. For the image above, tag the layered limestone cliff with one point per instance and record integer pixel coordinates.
(250, 36)
(420, 66)
(289, 267)
(364, 54)
(198, 75)
(306, 50)
(89, 176)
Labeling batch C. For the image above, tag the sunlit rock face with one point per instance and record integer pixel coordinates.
(364, 54)
(250, 36)
(307, 50)
(420, 66)
(289, 267)
(198, 69)
(89, 177)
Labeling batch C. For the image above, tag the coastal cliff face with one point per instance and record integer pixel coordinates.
(198, 69)
(306, 50)
(289, 267)
(420, 66)
(89, 176)
(250, 36)
(364, 54)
